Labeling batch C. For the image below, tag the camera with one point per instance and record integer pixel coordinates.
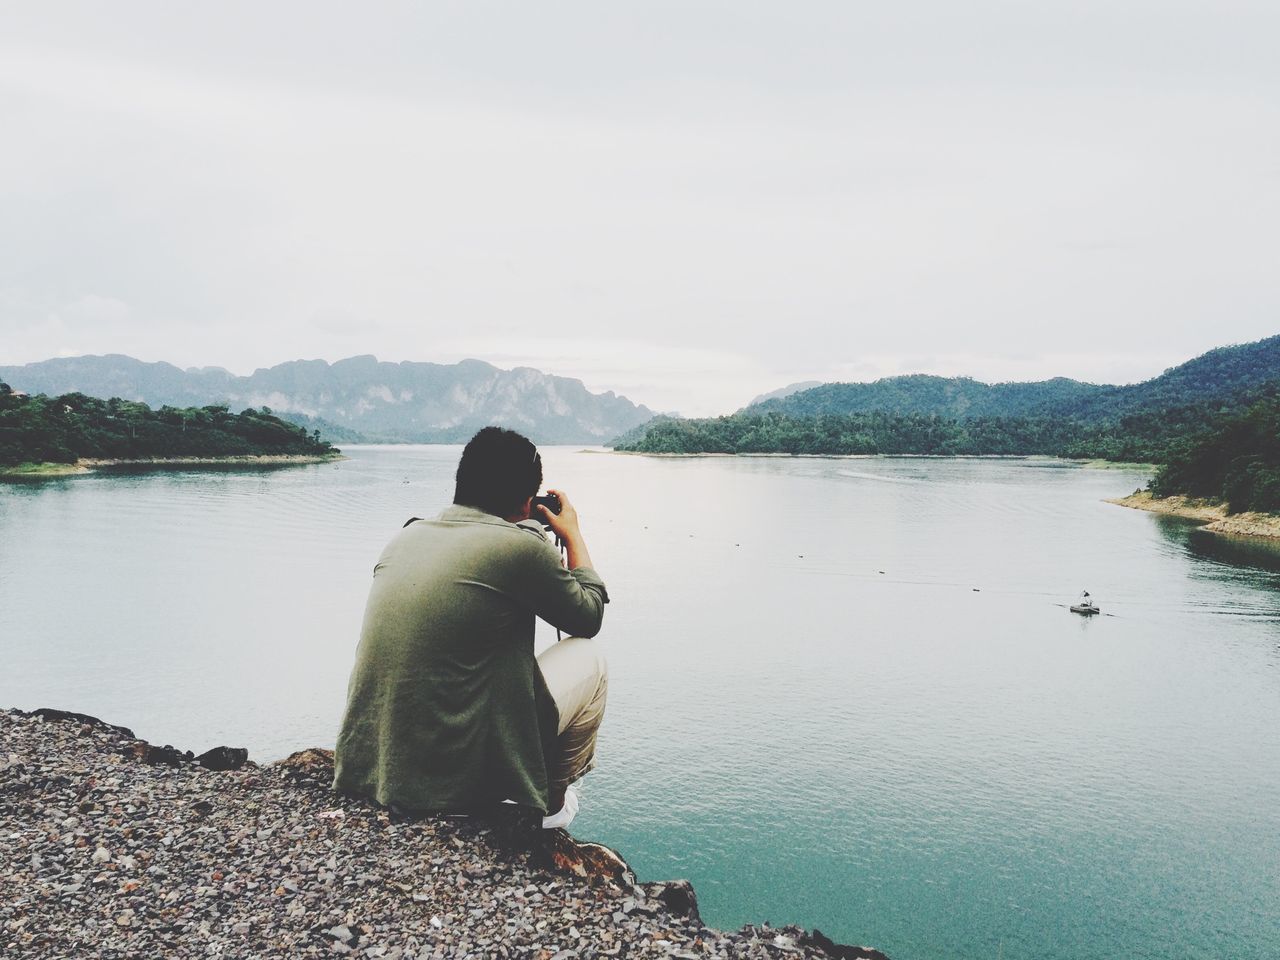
(551, 502)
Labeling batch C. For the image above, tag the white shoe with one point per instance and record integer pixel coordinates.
(564, 816)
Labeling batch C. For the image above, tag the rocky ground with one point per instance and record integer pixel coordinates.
(111, 847)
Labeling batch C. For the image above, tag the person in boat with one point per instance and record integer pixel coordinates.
(1085, 604)
(448, 709)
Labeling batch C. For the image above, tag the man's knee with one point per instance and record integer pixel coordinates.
(589, 653)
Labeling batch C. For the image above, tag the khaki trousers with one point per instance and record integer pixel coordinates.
(578, 678)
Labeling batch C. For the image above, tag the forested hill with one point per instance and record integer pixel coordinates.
(66, 428)
(1147, 437)
(892, 433)
(1219, 374)
(1148, 422)
(1224, 375)
(1236, 462)
(925, 395)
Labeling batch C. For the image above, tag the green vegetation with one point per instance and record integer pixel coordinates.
(1141, 438)
(1202, 382)
(953, 397)
(1213, 422)
(1237, 461)
(41, 430)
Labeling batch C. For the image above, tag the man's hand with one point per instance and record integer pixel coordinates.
(565, 523)
(565, 526)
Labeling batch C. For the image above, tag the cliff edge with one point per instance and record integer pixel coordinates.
(114, 847)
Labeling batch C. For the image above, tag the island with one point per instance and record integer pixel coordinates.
(42, 436)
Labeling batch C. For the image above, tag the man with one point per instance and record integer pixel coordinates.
(448, 709)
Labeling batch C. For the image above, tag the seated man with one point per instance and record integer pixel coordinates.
(448, 709)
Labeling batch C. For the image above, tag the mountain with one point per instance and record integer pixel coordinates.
(1220, 375)
(1215, 376)
(361, 397)
(919, 393)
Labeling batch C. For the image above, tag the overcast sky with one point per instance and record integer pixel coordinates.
(687, 203)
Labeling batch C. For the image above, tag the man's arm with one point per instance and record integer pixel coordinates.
(570, 599)
(565, 525)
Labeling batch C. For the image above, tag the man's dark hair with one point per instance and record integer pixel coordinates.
(498, 472)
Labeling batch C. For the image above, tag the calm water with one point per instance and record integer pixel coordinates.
(845, 693)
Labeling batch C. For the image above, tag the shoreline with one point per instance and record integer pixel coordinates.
(85, 465)
(1092, 464)
(1211, 513)
(119, 847)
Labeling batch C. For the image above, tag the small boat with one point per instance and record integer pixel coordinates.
(1085, 605)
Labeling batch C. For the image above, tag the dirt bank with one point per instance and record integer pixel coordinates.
(1214, 515)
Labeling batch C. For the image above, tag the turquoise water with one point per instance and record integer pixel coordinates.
(845, 693)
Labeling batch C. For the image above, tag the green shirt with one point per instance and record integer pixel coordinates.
(446, 707)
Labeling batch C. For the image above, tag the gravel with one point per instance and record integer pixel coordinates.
(111, 847)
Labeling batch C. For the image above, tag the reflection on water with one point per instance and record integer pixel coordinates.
(1235, 554)
(844, 693)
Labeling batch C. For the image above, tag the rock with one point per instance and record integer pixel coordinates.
(593, 861)
(47, 713)
(223, 758)
(311, 761)
(840, 951)
(677, 896)
(168, 755)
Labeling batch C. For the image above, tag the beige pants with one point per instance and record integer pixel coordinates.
(578, 679)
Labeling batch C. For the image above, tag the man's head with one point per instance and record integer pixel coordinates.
(498, 473)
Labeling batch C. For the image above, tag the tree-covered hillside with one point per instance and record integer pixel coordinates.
(1237, 461)
(1227, 377)
(885, 433)
(1147, 436)
(1150, 422)
(66, 428)
(931, 396)
(1220, 374)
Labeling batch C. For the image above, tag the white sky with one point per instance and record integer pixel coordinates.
(688, 203)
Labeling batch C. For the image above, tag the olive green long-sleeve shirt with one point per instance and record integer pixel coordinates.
(446, 707)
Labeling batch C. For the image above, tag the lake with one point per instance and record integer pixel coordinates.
(845, 693)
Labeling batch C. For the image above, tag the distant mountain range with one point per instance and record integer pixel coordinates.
(1218, 374)
(359, 398)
